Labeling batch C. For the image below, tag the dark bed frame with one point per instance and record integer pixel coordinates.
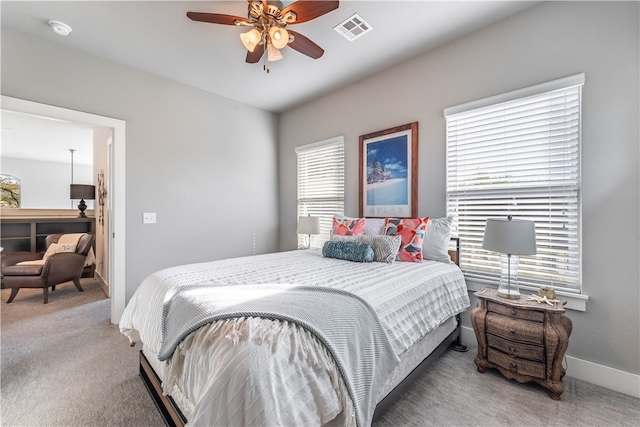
(173, 417)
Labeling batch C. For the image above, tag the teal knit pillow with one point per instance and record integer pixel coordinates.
(350, 251)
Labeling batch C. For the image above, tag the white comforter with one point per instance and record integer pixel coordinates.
(264, 372)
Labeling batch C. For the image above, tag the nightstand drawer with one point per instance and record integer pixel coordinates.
(517, 366)
(515, 313)
(514, 349)
(511, 329)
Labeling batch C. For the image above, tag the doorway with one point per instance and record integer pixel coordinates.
(116, 195)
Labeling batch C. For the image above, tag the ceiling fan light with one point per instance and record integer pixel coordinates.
(250, 39)
(279, 37)
(273, 54)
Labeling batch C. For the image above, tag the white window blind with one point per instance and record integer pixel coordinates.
(320, 185)
(519, 157)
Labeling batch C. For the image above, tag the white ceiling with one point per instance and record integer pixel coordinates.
(37, 138)
(157, 37)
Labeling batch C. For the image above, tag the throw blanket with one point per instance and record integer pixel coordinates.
(74, 238)
(346, 325)
(66, 239)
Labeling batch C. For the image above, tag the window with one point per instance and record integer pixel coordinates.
(10, 191)
(519, 154)
(320, 185)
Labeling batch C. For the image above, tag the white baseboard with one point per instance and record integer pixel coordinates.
(603, 376)
(102, 282)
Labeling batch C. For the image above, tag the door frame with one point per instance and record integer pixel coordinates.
(117, 259)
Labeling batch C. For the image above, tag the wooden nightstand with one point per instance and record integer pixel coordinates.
(524, 340)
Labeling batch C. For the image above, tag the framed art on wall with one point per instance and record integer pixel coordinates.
(389, 172)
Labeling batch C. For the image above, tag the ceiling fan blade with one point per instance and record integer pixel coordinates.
(304, 45)
(309, 9)
(215, 18)
(253, 57)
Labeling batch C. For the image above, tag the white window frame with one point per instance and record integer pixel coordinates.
(320, 185)
(482, 267)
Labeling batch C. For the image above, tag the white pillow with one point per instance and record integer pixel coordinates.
(385, 248)
(56, 248)
(435, 246)
(373, 226)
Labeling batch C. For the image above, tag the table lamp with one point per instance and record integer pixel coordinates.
(510, 237)
(82, 191)
(308, 225)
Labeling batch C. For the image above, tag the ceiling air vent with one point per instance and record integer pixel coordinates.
(353, 27)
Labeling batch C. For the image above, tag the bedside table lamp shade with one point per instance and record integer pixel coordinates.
(510, 237)
(82, 191)
(308, 225)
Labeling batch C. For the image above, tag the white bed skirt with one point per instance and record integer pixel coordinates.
(408, 362)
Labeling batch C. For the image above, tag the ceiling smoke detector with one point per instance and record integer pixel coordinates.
(60, 27)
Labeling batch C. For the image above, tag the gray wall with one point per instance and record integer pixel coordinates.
(549, 41)
(189, 156)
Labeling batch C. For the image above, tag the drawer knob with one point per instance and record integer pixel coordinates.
(514, 312)
(513, 367)
(512, 331)
(513, 350)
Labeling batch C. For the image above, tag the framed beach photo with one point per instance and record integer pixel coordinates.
(389, 172)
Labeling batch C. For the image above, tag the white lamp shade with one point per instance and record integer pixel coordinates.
(250, 39)
(273, 54)
(308, 225)
(510, 236)
(279, 37)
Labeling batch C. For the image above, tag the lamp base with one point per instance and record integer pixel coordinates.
(507, 295)
(508, 277)
(82, 206)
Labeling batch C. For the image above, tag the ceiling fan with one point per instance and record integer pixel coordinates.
(269, 20)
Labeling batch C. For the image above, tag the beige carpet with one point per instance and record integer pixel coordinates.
(64, 364)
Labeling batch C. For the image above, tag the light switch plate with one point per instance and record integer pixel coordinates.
(149, 218)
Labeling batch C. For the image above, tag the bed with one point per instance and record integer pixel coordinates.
(261, 370)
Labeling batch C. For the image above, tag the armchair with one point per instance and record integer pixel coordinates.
(46, 273)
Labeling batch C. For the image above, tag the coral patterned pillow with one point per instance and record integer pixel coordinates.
(347, 226)
(412, 232)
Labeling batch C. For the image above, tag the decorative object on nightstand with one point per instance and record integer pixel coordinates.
(511, 237)
(525, 340)
(308, 225)
(82, 191)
